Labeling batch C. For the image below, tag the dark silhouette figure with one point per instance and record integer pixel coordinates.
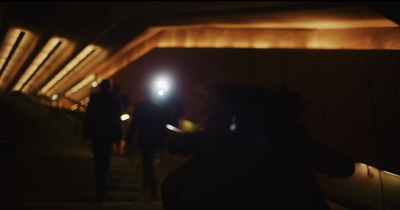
(102, 125)
(124, 110)
(254, 153)
(150, 119)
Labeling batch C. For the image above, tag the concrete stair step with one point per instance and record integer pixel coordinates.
(64, 182)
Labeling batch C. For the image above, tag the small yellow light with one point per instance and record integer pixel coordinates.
(125, 117)
(54, 97)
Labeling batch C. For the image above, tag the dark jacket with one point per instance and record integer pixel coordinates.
(102, 118)
(150, 119)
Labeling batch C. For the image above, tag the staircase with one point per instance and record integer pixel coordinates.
(38, 181)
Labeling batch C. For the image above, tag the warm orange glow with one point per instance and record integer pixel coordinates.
(330, 28)
(80, 85)
(211, 37)
(395, 175)
(188, 126)
(69, 67)
(50, 46)
(321, 18)
(21, 53)
(82, 71)
(313, 23)
(74, 107)
(235, 38)
(85, 101)
(51, 65)
(140, 46)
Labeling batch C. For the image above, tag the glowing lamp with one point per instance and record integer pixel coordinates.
(161, 85)
(125, 117)
(173, 128)
(54, 97)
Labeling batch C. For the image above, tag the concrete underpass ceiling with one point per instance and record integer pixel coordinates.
(64, 46)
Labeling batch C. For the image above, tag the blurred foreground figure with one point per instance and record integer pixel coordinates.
(150, 119)
(254, 153)
(103, 126)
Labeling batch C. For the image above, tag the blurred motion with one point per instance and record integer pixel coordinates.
(253, 151)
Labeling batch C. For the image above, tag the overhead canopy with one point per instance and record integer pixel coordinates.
(60, 48)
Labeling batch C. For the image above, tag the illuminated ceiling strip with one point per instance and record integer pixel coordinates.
(69, 67)
(85, 101)
(219, 37)
(80, 85)
(43, 56)
(211, 37)
(74, 107)
(386, 172)
(393, 174)
(14, 48)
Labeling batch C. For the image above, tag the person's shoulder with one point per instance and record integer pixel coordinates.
(94, 95)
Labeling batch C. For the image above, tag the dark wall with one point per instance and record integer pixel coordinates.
(354, 94)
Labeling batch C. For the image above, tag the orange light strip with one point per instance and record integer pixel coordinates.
(85, 101)
(80, 85)
(51, 46)
(15, 49)
(74, 107)
(368, 168)
(202, 36)
(14, 40)
(69, 67)
(393, 174)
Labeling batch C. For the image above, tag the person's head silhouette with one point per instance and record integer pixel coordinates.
(105, 85)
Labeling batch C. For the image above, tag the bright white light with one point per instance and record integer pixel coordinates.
(173, 128)
(232, 127)
(125, 117)
(54, 97)
(94, 84)
(162, 85)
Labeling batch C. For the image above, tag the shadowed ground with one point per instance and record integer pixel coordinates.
(44, 165)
